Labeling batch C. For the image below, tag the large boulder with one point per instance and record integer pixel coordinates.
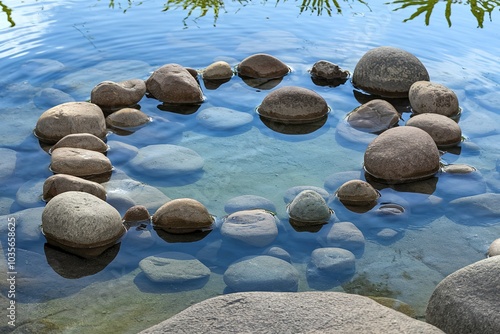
(374, 116)
(431, 97)
(262, 65)
(110, 95)
(468, 300)
(183, 215)
(293, 105)
(81, 223)
(444, 131)
(402, 154)
(262, 273)
(388, 71)
(68, 118)
(172, 83)
(253, 227)
(304, 312)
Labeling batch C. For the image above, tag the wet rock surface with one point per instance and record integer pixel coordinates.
(444, 131)
(431, 97)
(60, 183)
(374, 116)
(262, 65)
(182, 215)
(79, 162)
(253, 227)
(82, 140)
(110, 95)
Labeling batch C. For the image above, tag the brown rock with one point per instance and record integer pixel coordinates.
(110, 95)
(374, 116)
(293, 105)
(326, 70)
(262, 66)
(82, 140)
(183, 215)
(431, 97)
(358, 193)
(68, 118)
(402, 154)
(217, 71)
(174, 84)
(79, 162)
(127, 118)
(444, 131)
(137, 213)
(60, 183)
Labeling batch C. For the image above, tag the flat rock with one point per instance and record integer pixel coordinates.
(220, 118)
(468, 300)
(482, 209)
(166, 160)
(253, 227)
(173, 267)
(304, 312)
(262, 273)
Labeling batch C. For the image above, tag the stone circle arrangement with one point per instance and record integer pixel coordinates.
(79, 218)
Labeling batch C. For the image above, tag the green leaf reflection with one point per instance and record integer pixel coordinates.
(7, 11)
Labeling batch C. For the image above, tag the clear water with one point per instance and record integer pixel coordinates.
(74, 45)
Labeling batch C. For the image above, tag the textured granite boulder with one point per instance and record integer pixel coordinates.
(262, 66)
(402, 154)
(111, 95)
(173, 83)
(374, 116)
(444, 131)
(309, 207)
(183, 215)
(357, 193)
(218, 70)
(127, 118)
(388, 71)
(82, 140)
(431, 97)
(81, 223)
(303, 312)
(68, 118)
(262, 273)
(468, 300)
(79, 162)
(253, 227)
(60, 183)
(173, 267)
(293, 105)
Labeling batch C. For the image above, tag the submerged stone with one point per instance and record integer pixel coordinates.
(220, 118)
(173, 267)
(388, 71)
(82, 140)
(60, 183)
(253, 227)
(79, 162)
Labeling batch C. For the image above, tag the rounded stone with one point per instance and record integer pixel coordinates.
(374, 116)
(173, 267)
(254, 227)
(173, 83)
(326, 70)
(402, 154)
(332, 260)
(309, 207)
(137, 213)
(79, 162)
(49, 97)
(82, 140)
(110, 95)
(77, 220)
(388, 71)
(183, 215)
(7, 163)
(280, 253)
(220, 118)
(293, 105)
(217, 71)
(357, 193)
(248, 202)
(494, 248)
(431, 97)
(444, 131)
(347, 236)
(468, 300)
(262, 65)
(68, 118)
(262, 273)
(127, 118)
(60, 183)
(166, 160)
(292, 192)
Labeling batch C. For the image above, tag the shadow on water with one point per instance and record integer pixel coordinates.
(479, 9)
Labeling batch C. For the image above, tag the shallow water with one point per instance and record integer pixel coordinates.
(73, 45)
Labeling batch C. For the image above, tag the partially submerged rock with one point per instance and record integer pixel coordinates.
(60, 183)
(111, 95)
(309, 208)
(374, 116)
(444, 131)
(262, 66)
(431, 97)
(183, 215)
